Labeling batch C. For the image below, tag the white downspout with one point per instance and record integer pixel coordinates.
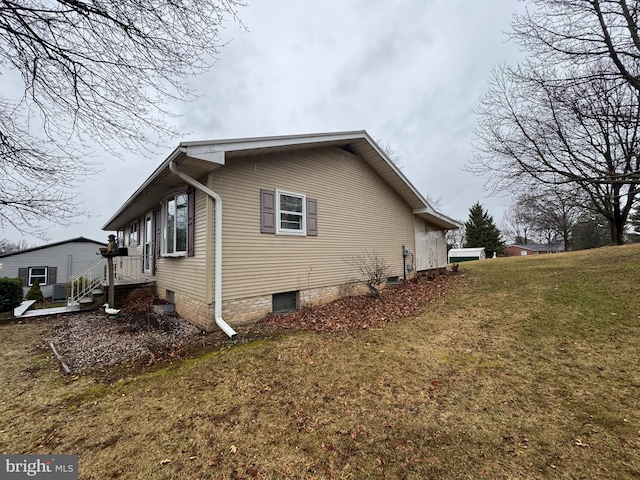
(217, 247)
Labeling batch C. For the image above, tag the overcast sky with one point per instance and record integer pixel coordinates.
(410, 72)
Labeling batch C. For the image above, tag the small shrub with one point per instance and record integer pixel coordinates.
(10, 294)
(34, 292)
(373, 268)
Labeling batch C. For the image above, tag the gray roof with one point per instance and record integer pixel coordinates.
(72, 240)
(198, 158)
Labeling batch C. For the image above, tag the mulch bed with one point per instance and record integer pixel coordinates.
(93, 339)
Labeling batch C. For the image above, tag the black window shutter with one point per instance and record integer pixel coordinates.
(53, 275)
(191, 212)
(267, 211)
(312, 217)
(22, 274)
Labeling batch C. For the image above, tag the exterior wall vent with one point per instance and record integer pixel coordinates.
(284, 302)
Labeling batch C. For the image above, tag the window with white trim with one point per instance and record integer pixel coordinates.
(175, 225)
(133, 234)
(147, 248)
(37, 273)
(290, 213)
(120, 238)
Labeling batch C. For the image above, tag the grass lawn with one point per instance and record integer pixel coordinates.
(529, 369)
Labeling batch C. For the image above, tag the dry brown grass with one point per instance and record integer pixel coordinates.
(528, 369)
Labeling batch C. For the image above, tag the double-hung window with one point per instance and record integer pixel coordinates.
(39, 274)
(175, 222)
(291, 213)
(288, 213)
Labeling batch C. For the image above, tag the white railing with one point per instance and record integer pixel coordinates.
(128, 268)
(84, 281)
(90, 277)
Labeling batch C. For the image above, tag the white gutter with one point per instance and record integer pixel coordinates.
(217, 242)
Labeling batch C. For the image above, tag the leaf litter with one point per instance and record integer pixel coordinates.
(92, 339)
(406, 299)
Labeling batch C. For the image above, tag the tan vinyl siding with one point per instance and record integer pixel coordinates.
(357, 213)
(187, 275)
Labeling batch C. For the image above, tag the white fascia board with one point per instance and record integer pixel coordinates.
(438, 218)
(399, 173)
(209, 153)
(238, 144)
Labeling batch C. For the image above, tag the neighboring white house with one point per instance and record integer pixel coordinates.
(51, 265)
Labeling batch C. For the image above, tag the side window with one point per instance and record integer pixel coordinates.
(177, 220)
(288, 213)
(174, 219)
(121, 238)
(39, 274)
(134, 237)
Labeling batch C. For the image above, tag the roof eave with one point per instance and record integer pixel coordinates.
(436, 218)
(201, 157)
(55, 244)
(195, 161)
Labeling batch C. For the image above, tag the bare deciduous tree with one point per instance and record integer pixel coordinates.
(92, 72)
(570, 114)
(391, 153)
(583, 32)
(518, 221)
(549, 213)
(558, 211)
(7, 246)
(536, 126)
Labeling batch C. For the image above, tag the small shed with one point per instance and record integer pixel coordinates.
(457, 255)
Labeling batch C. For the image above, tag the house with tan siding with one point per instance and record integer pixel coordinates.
(232, 230)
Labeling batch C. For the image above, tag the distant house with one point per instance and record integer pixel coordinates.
(51, 264)
(244, 227)
(533, 249)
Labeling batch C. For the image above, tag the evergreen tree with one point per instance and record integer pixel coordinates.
(35, 293)
(481, 231)
(634, 223)
(592, 231)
